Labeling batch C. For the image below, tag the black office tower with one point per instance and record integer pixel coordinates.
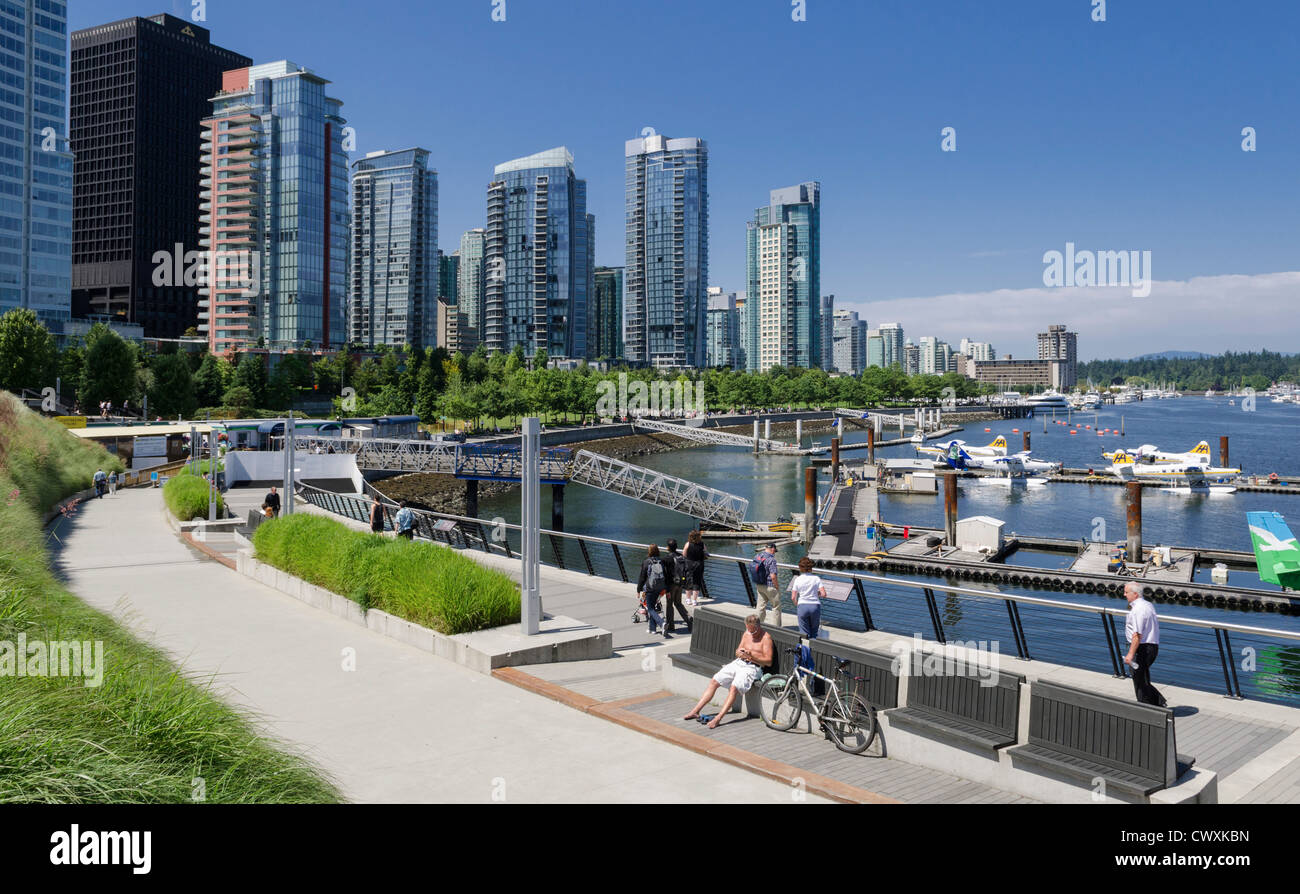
(140, 88)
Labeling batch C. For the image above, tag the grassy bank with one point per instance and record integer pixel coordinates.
(186, 496)
(145, 735)
(428, 584)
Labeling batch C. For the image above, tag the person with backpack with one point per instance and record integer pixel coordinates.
(679, 577)
(807, 592)
(650, 585)
(763, 572)
(695, 554)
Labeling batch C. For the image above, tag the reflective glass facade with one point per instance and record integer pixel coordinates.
(605, 316)
(723, 339)
(667, 268)
(537, 257)
(35, 164)
(395, 264)
(471, 298)
(783, 320)
(276, 183)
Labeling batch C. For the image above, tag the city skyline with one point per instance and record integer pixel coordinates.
(925, 242)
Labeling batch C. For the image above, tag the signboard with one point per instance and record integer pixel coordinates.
(71, 421)
(838, 591)
(151, 446)
(444, 526)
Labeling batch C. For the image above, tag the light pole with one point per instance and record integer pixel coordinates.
(530, 597)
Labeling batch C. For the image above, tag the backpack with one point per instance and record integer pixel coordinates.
(684, 572)
(758, 571)
(654, 577)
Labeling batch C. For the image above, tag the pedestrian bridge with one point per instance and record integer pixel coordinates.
(490, 462)
(703, 435)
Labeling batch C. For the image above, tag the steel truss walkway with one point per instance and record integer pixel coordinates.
(476, 462)
(714, 436)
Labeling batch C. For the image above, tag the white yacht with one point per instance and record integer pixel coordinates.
(1048, 400)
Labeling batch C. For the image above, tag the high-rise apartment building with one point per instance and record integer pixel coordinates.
(723, 339)
(395, 262)
(891, 335)
(667, 269)
(275, 206)
(826, 316)
(538, 257)
(911, 359)
(35, 165)
(783, 325)
(1058, 344)
(605, 316)
(875, 348)
(471, 298)
(850, 343)
(140, 88)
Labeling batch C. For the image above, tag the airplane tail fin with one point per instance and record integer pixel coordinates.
(999, 443)
(1123, 459)
(1277, 552)
(1201, 449)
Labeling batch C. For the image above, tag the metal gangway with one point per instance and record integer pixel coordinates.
(491, 462)
(699, 502)
(703, 435)
(923, 419)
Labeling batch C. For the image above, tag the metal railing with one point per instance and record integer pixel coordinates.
(1240, 660)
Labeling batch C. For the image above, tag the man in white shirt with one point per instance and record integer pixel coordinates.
(1142, 630)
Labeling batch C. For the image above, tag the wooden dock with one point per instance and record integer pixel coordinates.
(1095, 559)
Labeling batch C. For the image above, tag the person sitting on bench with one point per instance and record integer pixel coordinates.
(753, 654)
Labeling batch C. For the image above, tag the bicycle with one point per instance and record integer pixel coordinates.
(847, 718)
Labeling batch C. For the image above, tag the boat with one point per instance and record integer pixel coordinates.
(1209, 490)
(1048, 400)
(1012, 480)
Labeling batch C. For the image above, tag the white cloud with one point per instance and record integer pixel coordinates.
(1211, 314)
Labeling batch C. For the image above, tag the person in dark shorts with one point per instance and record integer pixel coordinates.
(377, 515)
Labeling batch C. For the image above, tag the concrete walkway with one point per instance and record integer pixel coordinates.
(403, 726)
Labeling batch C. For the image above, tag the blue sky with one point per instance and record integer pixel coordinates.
(1115, 135)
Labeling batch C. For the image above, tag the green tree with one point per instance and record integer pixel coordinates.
(110, 367)
(239, 398)
(172, 392)
(209, 384)
(251, 374)
(27, 357)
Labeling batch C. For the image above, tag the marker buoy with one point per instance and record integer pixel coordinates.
(987, 430)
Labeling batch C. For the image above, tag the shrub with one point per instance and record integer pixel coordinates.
(425, 583)
(187, 498)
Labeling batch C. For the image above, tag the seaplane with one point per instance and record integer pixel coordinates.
(1016, 471)
(1125, 468)
(953, 449)
(1150, 453)
(1018, 463)
(1277, 552)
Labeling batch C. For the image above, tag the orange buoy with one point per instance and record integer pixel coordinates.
(987, 430)
(1015, 431)
(1074, 432)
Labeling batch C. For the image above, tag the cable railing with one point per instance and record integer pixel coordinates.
(1240, 660)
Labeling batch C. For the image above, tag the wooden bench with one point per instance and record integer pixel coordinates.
(1084, 737)
(962, 707)
(877, 668)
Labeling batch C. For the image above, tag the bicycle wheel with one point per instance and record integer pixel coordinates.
(780, 702)
(853, 726)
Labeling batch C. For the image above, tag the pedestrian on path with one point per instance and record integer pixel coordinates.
(763, 572)
(100, 481)
(405, 522)
(376, 515)
(650, 585)
(695, 554)
(112, 483)
(1142, 630)
(271, 505)
(679, 576)
(807, 592)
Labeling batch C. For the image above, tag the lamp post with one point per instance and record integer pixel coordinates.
(530, 526)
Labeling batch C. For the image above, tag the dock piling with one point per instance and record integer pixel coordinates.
(1223, 451)
(798, 432)
(835, 460)
(871, 444)
(809, 504)
(1133, 499)
(950, 508)
(1026, 440)
(755, 437)
(767, 429)
(557, 507)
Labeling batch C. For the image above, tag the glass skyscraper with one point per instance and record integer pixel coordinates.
(275, 196)
(723, 330)
(783, 321)
(35, 164)
(395, 263)
(667, 269)
(471, 299)
(537, 257)
(893, 344)
(605, 316)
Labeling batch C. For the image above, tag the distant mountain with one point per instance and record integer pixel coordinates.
(1175, 355)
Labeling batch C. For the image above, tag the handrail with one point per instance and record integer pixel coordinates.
(859, 576)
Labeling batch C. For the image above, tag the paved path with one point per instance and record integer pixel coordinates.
(403, 726)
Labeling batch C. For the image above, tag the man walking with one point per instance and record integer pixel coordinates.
(272, 503)
(763, 572)
(101, 480)
(405, 522)
(1142, 630)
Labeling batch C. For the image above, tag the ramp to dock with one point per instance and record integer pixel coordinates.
(699, 502)
(702, 435)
